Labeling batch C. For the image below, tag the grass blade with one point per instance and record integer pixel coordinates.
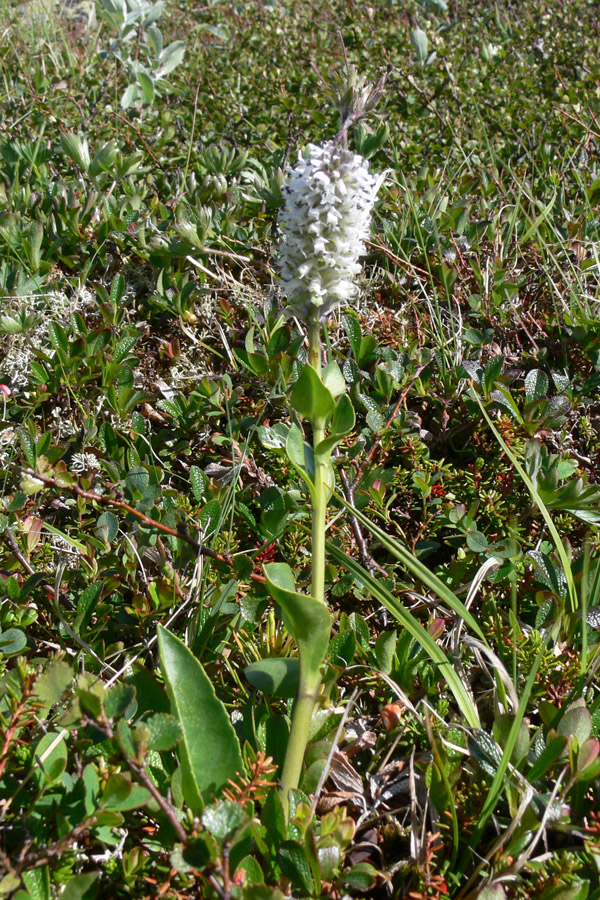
(414, 627)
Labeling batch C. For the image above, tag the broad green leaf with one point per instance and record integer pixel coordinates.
(103, 160)
(294, 864)
(333, 379)
(77, 149)
(58, 337)
(12, 641)
(50, 759)
(273, 438)
(87, 603)
(37, 882)
(53, 682)
(385, 650)
(418, 39)
(492, 371)
(170, 58)
(261, 891)
(222, 819)
(341, 425)
(209, 751)
(165, 731)
(477, 541)
(210, 518)
(307, 620)
(301, 455)
(342, 648)
(310, 398)
(155, 39)
(33, 244)
(576, 721)
(120, 701)
(368, 346)
(252, 874)
(344, 416)
(107, 527)
(123, 347)
(362, 876)
(147, 86)
(536, 385)
(131, 95)
(81, 887)
(91, 787)
(352, 328)
(575, 890)
(120, 794)
(273, 818)
(199, 482)
(28, 447)
(278, 676)
(9, 884)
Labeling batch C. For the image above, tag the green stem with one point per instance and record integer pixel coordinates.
(294, 757)
(314, 346)
(319, 524)
(310, 682)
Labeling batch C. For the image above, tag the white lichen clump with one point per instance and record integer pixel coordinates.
(329, 199)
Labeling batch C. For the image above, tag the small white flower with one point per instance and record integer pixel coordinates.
(326, 219)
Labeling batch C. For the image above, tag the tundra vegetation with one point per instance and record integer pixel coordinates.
(296, 604)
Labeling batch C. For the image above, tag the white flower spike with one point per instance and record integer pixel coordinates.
(326, 219)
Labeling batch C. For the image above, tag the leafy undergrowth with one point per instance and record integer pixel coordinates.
(144, 374)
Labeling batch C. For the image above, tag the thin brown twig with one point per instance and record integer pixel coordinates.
(363, 548)
(153, 523)
(9, 539)
(141, 137)
(164, 804)
(56, 850)
(106, 729)
(369, 457)
(14, 549)
(411, 269)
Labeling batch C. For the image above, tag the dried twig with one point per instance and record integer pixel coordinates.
(153, 523)
(106, 729)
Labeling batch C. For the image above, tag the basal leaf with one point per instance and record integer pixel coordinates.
(209, 750)
(307, 620)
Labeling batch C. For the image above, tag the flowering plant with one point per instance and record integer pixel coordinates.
(325, 223)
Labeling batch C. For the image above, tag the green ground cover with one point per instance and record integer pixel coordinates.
(145, 376)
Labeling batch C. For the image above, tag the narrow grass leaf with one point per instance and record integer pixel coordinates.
(558, 544)
(414, 627)
(416, 568)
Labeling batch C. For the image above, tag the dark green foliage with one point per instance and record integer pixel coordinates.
(152, 470)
